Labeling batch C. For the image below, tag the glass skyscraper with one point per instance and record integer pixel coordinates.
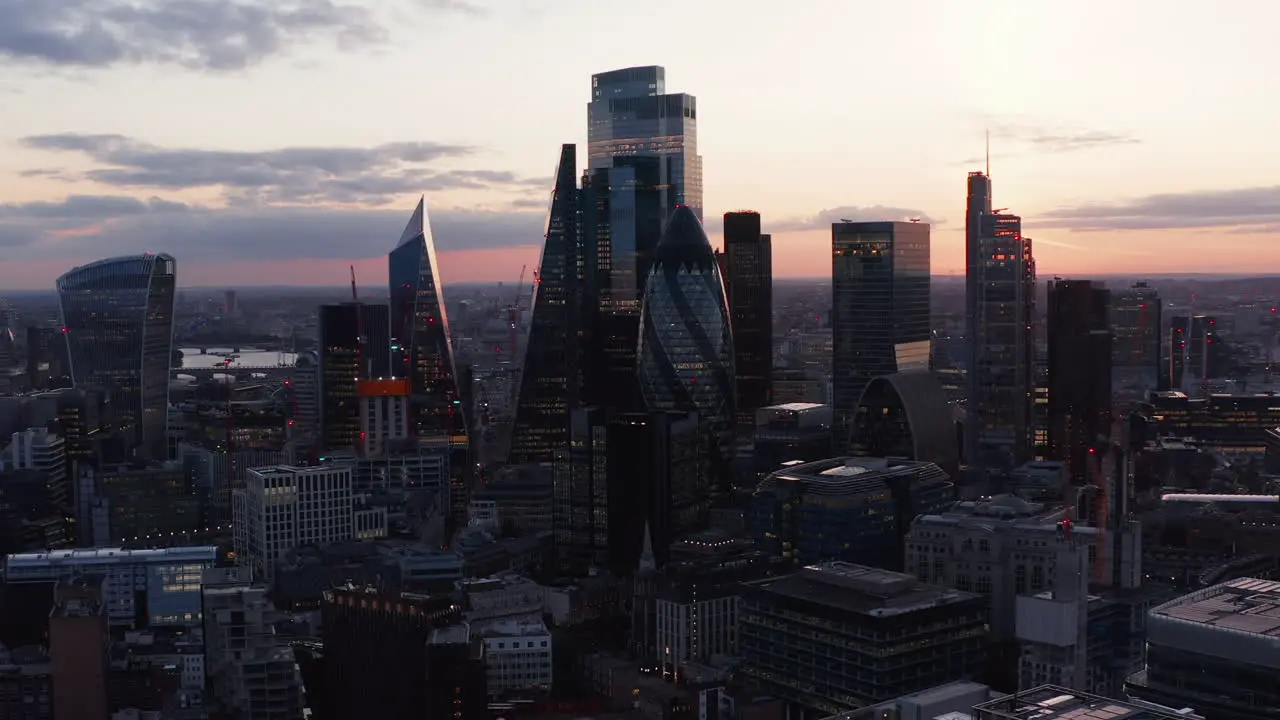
(748, 284)
(1135, 344)
(1000, 297)
(551, 380)
(879, 309)
(117, 316)
(685, 353)
(630, 113)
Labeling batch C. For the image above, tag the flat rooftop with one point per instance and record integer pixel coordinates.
(860, 589)
(112, 556)
(1051, 702)
(1246, 605)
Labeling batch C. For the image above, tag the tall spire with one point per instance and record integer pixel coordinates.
(647, 561)
(988, 152)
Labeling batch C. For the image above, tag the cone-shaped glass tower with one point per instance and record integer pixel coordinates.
(685, 352)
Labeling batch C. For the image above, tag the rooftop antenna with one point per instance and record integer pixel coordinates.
(988, 152)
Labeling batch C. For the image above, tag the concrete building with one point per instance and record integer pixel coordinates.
(517, 656)
(829, 638)
(282, 507)
(169, 579)
(1216, 650)
(251, 673)
(78, 642)
(40, 450)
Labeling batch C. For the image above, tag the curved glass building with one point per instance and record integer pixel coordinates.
(117, 317)
(685, 351)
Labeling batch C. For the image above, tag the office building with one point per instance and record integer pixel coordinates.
(1136, 328)
(517, 656)
(142, 588)
(1055, 702)
(40, 451)
(48, 367)
(791, 432)
(419, 331)
(853, 509)
(1216, 650)
(250, 671)
(386, 416)
(457, 683)
(879, 309)
(117, 316)
(355, 345)
(1000, 297)
(78, 649)
(906, 415)
(551, 382)
(1226, 422)
(283, 507)
(304, 418)
(1177, 353)
(376, 651)
(685, 353)
(631, 114)
(628, 479)
(1079, 376)
(748, 284)
(827, 639)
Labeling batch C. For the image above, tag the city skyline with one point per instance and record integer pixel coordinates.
(282, 158)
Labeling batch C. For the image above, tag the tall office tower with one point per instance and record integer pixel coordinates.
(1178, 327)
(685, 352)
(627, 484)
(879, 310)
(1200, 338)
(748, 283)
(1000, 298)
(117, 315)
(551, 380)
(1135, 343)
(631, 114)
(38, 450)
(420, 329)
(304, 416)
(355, 345)
(1079, 376)
(47, 364)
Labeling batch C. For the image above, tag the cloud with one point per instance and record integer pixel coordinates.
(824, 218)
(108, 225)
(1017, 138)
(211, 35)
(368, 176)
(1246, 209)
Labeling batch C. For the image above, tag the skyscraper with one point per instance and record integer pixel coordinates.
(1000, 296)
(355, 346)
(551, 380)
(117, 316)
(1135, 343)
(748, 285)
(685, 352)
(1079, 376)
(631, 114)
(879, 309)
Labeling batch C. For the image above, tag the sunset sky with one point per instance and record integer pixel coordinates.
(275, 142)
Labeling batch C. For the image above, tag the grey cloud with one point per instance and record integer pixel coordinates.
(457, 6)
(1242, 208)
(824, 218)
(1016, 138)
(194, 233)
(293, 175)
(213, 35)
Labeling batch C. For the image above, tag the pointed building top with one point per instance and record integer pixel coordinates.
(647, 561)
(684, 242)
(417, 226)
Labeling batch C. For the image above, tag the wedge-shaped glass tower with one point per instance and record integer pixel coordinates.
(421, 349)
(551, 379)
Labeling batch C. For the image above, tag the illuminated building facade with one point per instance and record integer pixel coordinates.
(355, 345)
(1224, 422)
(551, 380)
(117, 316)
(879, 309)
(1000, 296)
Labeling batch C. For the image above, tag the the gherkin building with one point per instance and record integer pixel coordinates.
(685, 352)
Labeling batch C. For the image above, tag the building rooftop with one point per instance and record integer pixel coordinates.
(459, 634)
(844, 475)
(112, 556)
(860, 589)
(796, 407)
(1051, 702)
(1217, 498)
(1246, 604)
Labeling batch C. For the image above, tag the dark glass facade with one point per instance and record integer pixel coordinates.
(625, 475)
(1000, 296)
(551, 381)
(1079, 376)
(906, 415)
(344, 361)
(685, 354)
(879, 309)
(1177, 352)
(748, 285)
(1135, 343)
(117, 317)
